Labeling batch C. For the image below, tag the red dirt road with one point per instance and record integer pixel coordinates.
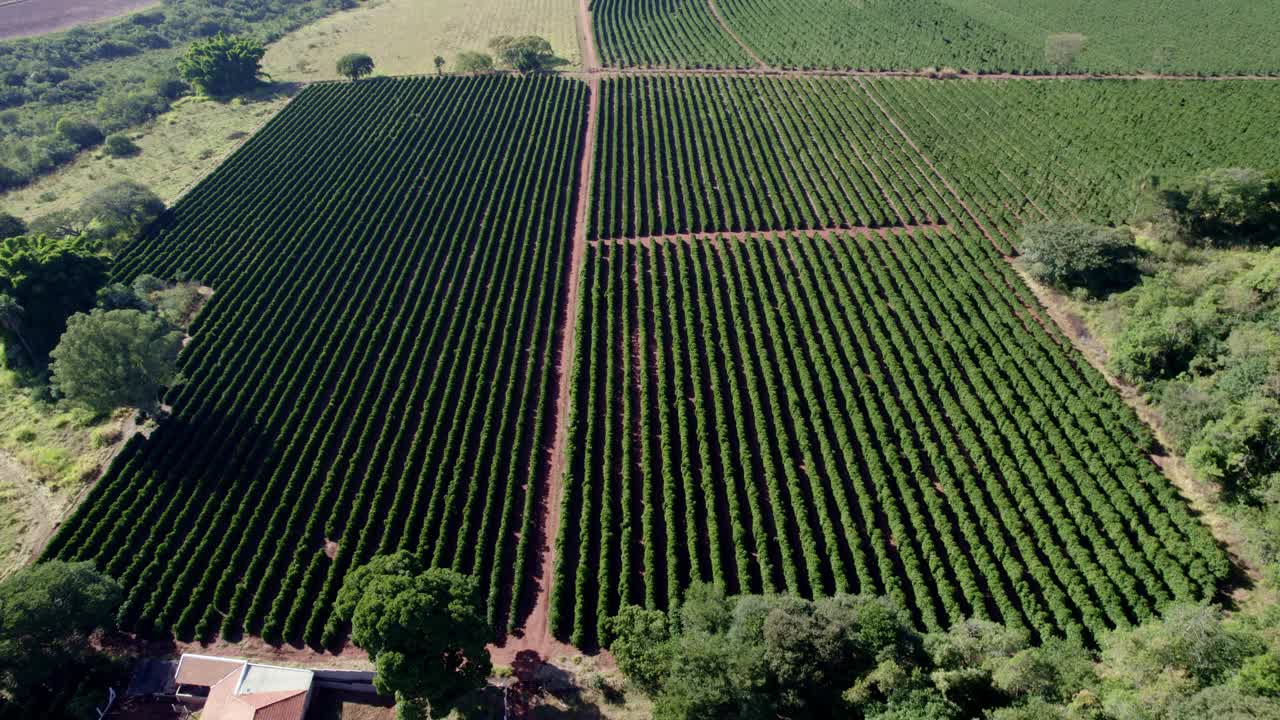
(536, 634)
(23, 18)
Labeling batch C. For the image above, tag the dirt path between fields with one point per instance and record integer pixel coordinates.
(724, 25)
(590, 61)
(536, 634)
(934, 168)
(1201, 496)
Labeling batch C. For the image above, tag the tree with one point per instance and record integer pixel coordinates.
(49, 278)
(1227, 205)
(11, 226)
(79, 132)
(121, 208)
(47, 612)
(528, 53)
(439, 63)
(113, 358)
(223, 64)
(639, 640)
(424, 629)
(473, 62)
(354, 66)
(1062, 49)
(118, 296)
(1078, 254)
(764, 655)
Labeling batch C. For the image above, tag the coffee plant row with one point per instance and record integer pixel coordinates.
(374, 370)
(883, 412)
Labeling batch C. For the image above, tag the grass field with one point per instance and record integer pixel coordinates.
(403, 36)
(178, 148)
(47, 456)
(388, 258)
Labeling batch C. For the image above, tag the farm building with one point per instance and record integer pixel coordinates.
(240, 690)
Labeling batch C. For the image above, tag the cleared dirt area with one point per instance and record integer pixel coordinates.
(23, 18)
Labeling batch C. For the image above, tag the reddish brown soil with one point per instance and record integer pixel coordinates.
(536, 635)
(23, 18)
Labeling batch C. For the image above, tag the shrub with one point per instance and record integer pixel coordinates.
(119, 145)
(79, 131)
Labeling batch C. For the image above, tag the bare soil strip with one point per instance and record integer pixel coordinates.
(590, 61)
(536, 634)
(647, 240)
(724, 25)
(26, 18)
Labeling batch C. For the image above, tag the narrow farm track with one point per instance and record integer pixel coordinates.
(724, 25)
(937, 173)
(536, 635)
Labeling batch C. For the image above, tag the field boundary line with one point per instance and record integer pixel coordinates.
(919, 74)
(934, 168)
(226, 154)
(724, 25)
(770, 232)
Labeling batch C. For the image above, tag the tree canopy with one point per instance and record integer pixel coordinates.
(49, 278)
(527, 53)
(121, 208)
(47, 612)
(1227, 205)
(473, 62)
(354, 66)
(223, 64)
(858, 657)
(1078, 254)
(116, 358)
(424, 629)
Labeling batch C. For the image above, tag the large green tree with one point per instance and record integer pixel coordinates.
(354, 66)
(116, 358)
(47, 612)
(1078, 254)
(527, 53)
(121, 208)
(424, 629)
(48, 279)
(223, 64)
(1227, 205)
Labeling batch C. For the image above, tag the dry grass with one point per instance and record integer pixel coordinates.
(404, 36)
(178, 148)
(48, 457)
